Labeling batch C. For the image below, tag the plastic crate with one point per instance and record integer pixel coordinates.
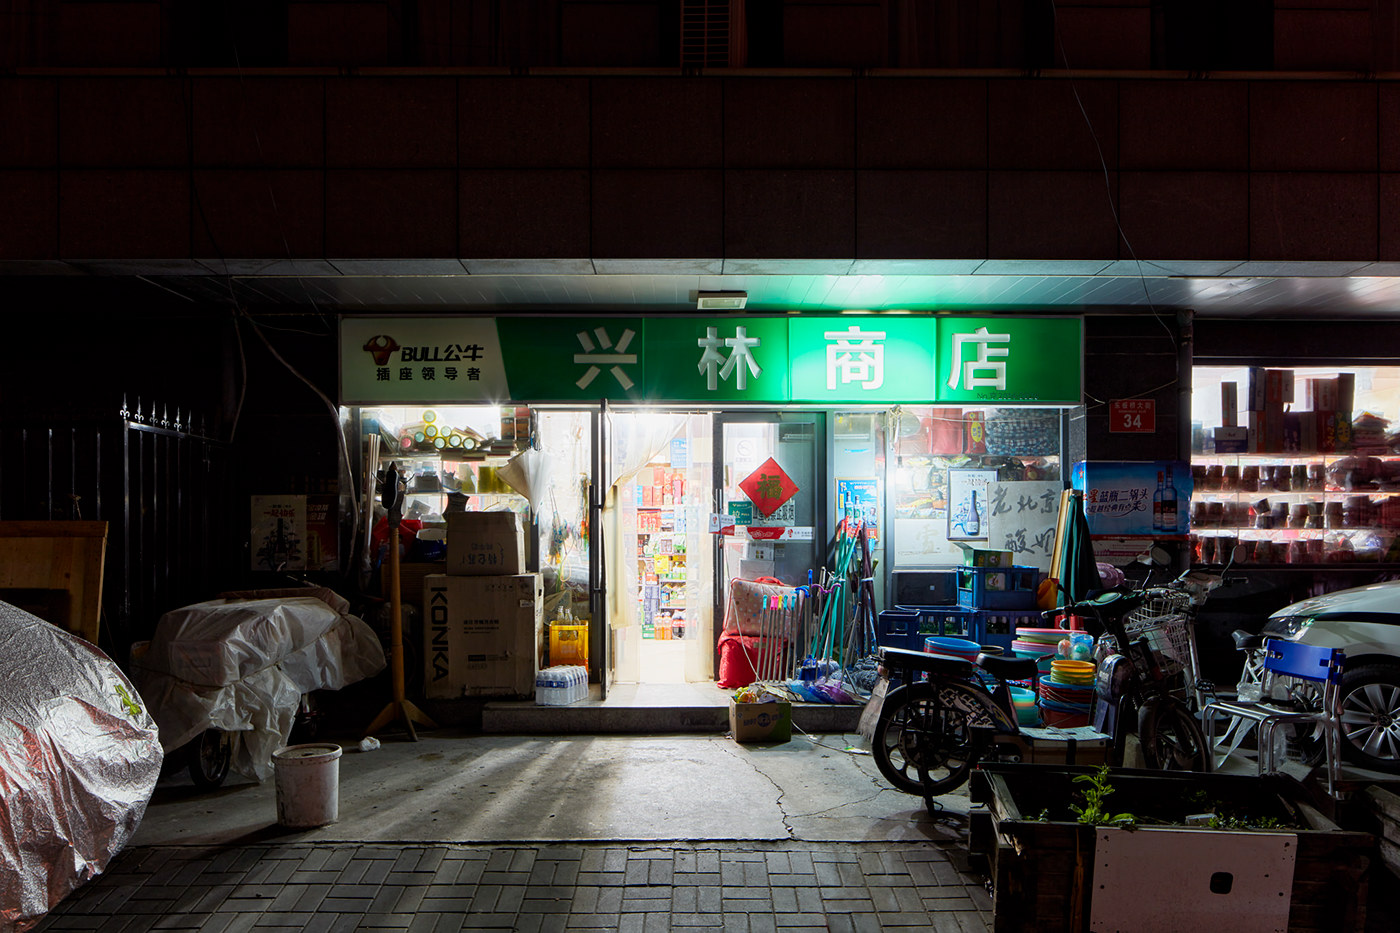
(997, 587)
(907, 627)
(998, 626)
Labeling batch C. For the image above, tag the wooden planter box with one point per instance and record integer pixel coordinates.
(1067, 876)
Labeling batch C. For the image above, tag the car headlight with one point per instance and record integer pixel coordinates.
(1287, 626)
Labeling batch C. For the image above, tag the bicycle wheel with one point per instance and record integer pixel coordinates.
(1171, 738)
(915, 731)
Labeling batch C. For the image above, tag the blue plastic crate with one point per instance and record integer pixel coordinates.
(907, 627)
(997, 587)
(943, 620)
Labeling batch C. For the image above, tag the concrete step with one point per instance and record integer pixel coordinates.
(644, 709)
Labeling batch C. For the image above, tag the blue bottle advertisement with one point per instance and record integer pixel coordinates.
(1135, 499)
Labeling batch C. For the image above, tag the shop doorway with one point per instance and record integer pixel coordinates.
(659, 554)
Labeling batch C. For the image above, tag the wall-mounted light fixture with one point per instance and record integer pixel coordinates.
(721, 301)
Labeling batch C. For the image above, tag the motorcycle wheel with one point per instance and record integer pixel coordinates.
(921, 746)
(209, 757)
(1171, 738)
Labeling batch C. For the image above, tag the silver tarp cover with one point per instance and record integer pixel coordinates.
(79, 757)
(242, 664)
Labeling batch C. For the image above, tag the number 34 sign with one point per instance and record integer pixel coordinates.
(1132, 416)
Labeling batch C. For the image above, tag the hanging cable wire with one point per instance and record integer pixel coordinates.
(335, 418)
(1107, 180)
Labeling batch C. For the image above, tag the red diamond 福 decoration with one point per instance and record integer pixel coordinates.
(769, 487)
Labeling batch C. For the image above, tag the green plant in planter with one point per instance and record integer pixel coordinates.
(1094, 812)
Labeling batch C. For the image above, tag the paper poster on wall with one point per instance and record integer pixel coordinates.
(967, 504)
(923, 542)
(278, 533)
(859, 498)
(1021, 518)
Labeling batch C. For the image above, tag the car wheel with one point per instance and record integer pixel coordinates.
(1371, 716)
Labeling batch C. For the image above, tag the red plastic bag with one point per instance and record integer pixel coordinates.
(740, 658)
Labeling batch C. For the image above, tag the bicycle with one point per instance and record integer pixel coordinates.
(1147, 663)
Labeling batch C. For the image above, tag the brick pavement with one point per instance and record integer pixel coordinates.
(741, 887)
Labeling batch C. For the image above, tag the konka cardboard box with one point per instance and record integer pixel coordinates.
(485, 544)
(761, 722)
(481, 635)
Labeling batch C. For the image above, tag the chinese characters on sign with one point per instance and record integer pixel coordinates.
(1122, 501)
(614, 360)
(855, 356)
(781, 359)
(1022, 520)
(412, 359)
(768, 487)
(713, 362)
(979, 372)
(1132, 416)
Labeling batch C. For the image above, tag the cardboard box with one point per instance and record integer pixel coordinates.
(1346, 392)
(481, 635)
(1229, 404)
(1230, 440)
(983, 557)
(485, 544)
(1256, 388)
(1050, 745)
(760, 722)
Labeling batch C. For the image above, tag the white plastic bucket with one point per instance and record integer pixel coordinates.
(308, 784)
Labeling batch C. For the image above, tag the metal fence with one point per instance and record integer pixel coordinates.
(162, 485)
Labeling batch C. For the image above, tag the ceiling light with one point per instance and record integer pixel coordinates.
(721, 301)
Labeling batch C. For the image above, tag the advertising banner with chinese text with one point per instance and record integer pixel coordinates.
(850, 359)
(1150, 498)
(428, 359)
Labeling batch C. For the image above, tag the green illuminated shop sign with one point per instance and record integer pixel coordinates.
(847, 359)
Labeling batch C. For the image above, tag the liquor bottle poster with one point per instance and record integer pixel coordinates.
(1150, 498)
(278, 533)
(967, 504)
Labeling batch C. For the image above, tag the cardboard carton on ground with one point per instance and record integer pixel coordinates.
(481, 635)
(760, 722)
(485, 544)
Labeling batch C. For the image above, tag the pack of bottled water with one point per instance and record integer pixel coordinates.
(561, 685)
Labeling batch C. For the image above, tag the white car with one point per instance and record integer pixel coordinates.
(1365, 623)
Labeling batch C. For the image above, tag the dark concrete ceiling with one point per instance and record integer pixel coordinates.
(1352, 291)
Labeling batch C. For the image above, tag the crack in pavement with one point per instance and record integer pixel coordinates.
(731, 752)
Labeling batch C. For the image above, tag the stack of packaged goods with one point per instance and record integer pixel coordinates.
(483, 624)
(561, 685)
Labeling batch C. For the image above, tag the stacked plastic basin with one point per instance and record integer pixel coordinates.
(1027, 710)
(1067, 695)
(964, 648)
(1037, 643)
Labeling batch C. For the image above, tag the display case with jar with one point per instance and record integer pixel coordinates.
(1285, 505)
(1315, 509)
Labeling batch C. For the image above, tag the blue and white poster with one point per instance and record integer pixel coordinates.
(1150, 498)
(967, 504)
